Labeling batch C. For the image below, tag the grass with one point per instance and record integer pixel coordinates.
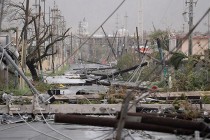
(18, 92)
(43, 87)
(40, 86)
(61, 71)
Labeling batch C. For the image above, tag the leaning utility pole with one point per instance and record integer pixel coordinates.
(190, 2)
(24, 47)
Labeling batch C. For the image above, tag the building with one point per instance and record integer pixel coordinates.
(200, 44)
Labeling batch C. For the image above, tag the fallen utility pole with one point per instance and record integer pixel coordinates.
(117, 73)
(168, 115)
(131, 123)
(169, 122)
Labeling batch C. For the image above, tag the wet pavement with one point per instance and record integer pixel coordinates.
(63, 80)
(22, 131)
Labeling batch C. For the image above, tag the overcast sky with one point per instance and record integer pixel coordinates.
(163, 13)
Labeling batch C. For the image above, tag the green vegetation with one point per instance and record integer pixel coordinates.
(189, 77)
(18, 92)
(206, 99)
(60, 71)
(126, 61)
(163, 36)
(177, 59)
(43, 87)
(184, 104)
(40, 86)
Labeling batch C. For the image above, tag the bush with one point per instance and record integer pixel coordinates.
(189, 80)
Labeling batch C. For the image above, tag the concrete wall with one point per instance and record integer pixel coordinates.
(199, 45)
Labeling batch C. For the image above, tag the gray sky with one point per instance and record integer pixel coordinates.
(163, 13)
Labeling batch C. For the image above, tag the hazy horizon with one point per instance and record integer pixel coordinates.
(163, 14)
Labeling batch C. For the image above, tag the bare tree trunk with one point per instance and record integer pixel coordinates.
(32, 68)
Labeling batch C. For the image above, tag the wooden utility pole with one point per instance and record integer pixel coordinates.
(190, 2)
(24, 47)
(190, 26)
(37, 40)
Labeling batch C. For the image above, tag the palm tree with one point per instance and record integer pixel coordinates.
(177, 58)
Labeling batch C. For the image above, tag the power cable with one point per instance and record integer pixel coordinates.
(124, 0)
(88, 38)
(104, 135)
(178, 46)
(13, 126)
(61, 65)
(165, 12)
(35, 128)
(52, 127)
(139, 67)
(49, 124)
(129, 133)
(92, 33)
